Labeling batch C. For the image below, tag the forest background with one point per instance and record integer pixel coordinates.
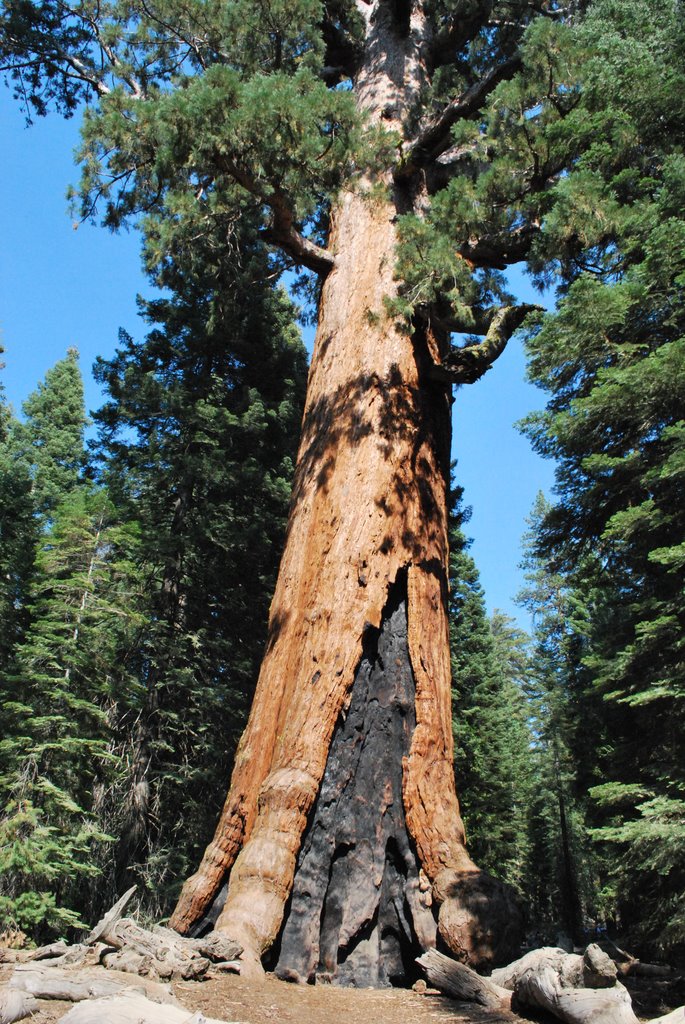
(127, 662)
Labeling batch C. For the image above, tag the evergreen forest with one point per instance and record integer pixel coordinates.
(139, 549)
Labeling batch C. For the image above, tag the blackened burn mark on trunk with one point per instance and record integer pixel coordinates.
(357, 915)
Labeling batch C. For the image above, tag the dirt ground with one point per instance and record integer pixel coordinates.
(269, 1001)
(237, 1000)
(234, 999)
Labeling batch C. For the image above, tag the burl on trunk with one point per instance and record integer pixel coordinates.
(341, 830)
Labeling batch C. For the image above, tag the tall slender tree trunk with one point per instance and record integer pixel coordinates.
(358, 633)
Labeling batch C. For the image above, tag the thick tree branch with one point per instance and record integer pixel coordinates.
(282, 231)
(464, 23)
(467, 365)
(499, 251)
(435, 138)
(343, 53)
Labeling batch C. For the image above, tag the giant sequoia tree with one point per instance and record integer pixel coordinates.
(404, 153)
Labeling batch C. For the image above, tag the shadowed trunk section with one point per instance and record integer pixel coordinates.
(356, 905)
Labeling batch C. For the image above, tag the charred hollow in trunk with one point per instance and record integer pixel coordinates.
(356, 905)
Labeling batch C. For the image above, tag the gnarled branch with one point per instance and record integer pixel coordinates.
(282, 231)
(467, 365)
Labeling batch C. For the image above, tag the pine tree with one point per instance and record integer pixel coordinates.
(198, 442)
(492, 741)
(18, 535)
(512, 657)
(52, 433)
(611, 360)
(55, 738)
(562, 891)
(55, 687)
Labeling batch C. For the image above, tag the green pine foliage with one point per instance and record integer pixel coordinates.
(54, 742)
(612, 361)
(492, 739)
(563, 882)
(51, 435)
(62, 670)
(18, 536)
(198, 440)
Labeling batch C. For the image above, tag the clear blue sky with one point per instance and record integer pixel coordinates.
(62, 287)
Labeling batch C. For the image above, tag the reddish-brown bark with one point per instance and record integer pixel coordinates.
(369, 504)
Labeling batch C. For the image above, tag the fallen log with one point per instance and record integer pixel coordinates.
(628, 965)
(675, 1017)
(215, 946)
(642, 970)
(15, 1005)
(160, 953)
(132, 1008)
(575, 989)
(55, 949)
(574, 971)
(48, 982)
(461, 982)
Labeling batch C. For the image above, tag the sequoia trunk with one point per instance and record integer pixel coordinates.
(364, 573)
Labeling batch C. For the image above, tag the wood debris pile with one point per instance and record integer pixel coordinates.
(133, 990)
(575, 989)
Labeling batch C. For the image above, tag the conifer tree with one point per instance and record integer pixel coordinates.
(52, 433)
(198, 442)
(18, 532)
(611, 360)
(473, 136)
(561, 889)
(51, 699)
(65, 672)
(492, 741)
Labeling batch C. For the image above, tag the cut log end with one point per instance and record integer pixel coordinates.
(461, 982)
(16, 1005)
